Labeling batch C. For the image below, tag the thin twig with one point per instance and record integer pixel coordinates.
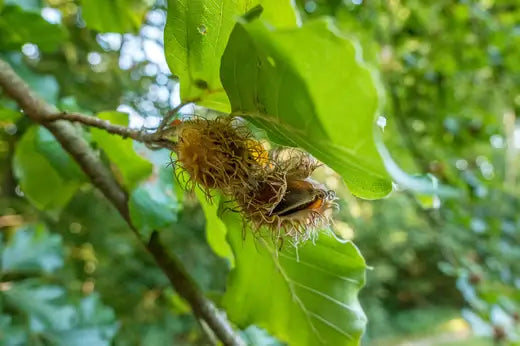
(154, 140)
(92, 121)
(101, 177)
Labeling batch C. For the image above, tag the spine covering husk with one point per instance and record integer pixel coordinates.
(273, 190)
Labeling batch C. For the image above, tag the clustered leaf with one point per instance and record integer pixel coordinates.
(33, 251)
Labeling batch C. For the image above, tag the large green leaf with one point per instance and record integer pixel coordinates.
(121, 16)
(18, 27)
(307, 87)
(39, 171)
(303, 296)
(129, 167)
(196, 35)
(216, 230)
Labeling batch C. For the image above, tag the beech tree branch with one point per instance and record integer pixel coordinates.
(92, 121)
(101, 177)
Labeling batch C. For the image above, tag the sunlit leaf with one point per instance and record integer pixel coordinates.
(304, 296)
(196, 35)
(116, 15)
(277, 80)
(129, 167)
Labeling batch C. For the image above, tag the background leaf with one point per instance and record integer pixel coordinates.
(196, 35)
(44, 85)
(153, 204)
(116, 15)
(60, 160)
(18, 27)
(41, 180)
(90, 323)
(31, 249)
(275, 78)
(129, 167)
(303, 296)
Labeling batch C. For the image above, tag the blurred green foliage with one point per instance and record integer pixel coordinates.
(70, 270)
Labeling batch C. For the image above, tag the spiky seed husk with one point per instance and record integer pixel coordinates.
(285, 200)
(273, 190)
(218, 154)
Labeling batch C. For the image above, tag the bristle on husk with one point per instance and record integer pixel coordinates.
(272, 190)
(218, 154)
(286, 201)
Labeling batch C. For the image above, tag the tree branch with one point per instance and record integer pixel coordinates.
(102, 178)
(92, 121)
(156, 139)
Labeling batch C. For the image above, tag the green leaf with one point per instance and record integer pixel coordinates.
(18, 27)
(95, 324)
(216, 230)
(8, 116)
(39, 302)
(276, 79)
(40, 177)
(32, 249)
(153, 204)
(90, 323)
(121, 16)
(196, 35)
(11, 334)
(129, 167)
(303, 296)
(62, 162)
